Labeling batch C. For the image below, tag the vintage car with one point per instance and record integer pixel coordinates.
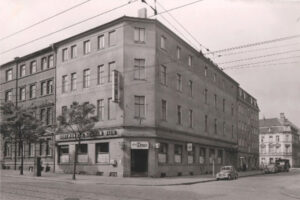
(227, 172)
(271, 168)
(283, 165)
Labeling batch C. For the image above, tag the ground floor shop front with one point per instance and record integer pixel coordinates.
(119, 152)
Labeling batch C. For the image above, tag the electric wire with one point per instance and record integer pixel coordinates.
(257, 66)
(44, 20)
(67, 27)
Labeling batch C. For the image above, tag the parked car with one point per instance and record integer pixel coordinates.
(271, 168)
(227, 172)
(283, 165)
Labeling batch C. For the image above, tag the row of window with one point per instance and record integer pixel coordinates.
(29, 149)
(46, 62)
(276, 149)
(277, 138)
(66, 55)
(47, 88)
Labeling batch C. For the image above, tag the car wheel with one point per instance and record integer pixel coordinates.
(218, 179)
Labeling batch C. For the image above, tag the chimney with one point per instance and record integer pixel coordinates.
(282, 117)
(142, 13)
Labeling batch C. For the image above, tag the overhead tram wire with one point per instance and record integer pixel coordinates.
(188, 32)
(256, 44)
(257, 57)
(67, 27)
(44, 20)
(255, 50)
(257, 66)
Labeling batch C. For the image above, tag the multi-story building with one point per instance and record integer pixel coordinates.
(248, 131)
(279, 139)
(164, 109)
(29, 81)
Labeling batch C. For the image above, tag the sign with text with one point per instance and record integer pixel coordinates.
(139, 145)
(94, 134)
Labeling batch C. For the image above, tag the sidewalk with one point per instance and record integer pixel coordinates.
(135, 181)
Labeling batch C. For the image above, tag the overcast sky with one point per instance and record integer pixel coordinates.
(217, 24)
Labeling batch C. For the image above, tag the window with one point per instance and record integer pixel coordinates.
(190, 118)
(191, 88)
(164, 110)
(44, 63)
(205, 71)
(48, 149)
(216, 103)
(100, 109)
(177, 153)
(73, 51)
(112, 38)
(102, 152)
(49, 116)
(64, 110)
(262, 138)
(178, 114)
(270, 138)
(220, 157)
(139, 34)
(211, 155)
(63, 153)
(163, 75)
(139, 107)
(43, 115)
(163, 42)
(22, 70)
(191, 155)
(178, 53)
(64, 55)
(101, 42)
(86, 47)
(224, 127)
(49, 86)
(111, 67)
(9, 75)
(224, 103)
(82, 148)
(43, 88)
(277, 138)
(8, 95)
(190, 61)
(86, 78)
(206, 123)
(7, 149)
(202, 156)
(64, 83)
(205, 96)
(22, 94)
(215, 77)
(33, 67)
(232, 109)
(32, 91)
(50, 61)
(110, 109)
(73, 81)
(216, 126)
(139, 69)
(163, 153)
(100, 75)
(179, 82)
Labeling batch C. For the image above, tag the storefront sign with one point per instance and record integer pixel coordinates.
(139, 145)
(96, 134)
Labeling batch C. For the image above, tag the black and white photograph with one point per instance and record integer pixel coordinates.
(149, 99)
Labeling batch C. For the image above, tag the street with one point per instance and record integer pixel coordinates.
(274, 186)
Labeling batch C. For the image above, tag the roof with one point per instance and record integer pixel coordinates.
(275, 125)
(270, 122)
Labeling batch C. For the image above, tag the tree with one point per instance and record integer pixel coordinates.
(78, 119)
(19, 124)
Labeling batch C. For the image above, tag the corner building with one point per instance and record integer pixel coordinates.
(163, 108)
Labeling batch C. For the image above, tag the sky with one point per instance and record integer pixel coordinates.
(270, 72)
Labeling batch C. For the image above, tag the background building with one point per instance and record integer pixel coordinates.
(279, 138)
(164, 109)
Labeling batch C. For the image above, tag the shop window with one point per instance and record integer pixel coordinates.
(64, 154)
(31, 150)
(202, 156)
(102, 152)
(191, 155)
(163, 153)
(220, 157)
(82, 153)
(178, 153)
(211, 156)
(7, 149)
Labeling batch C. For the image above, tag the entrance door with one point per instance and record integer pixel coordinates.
(139, 162)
